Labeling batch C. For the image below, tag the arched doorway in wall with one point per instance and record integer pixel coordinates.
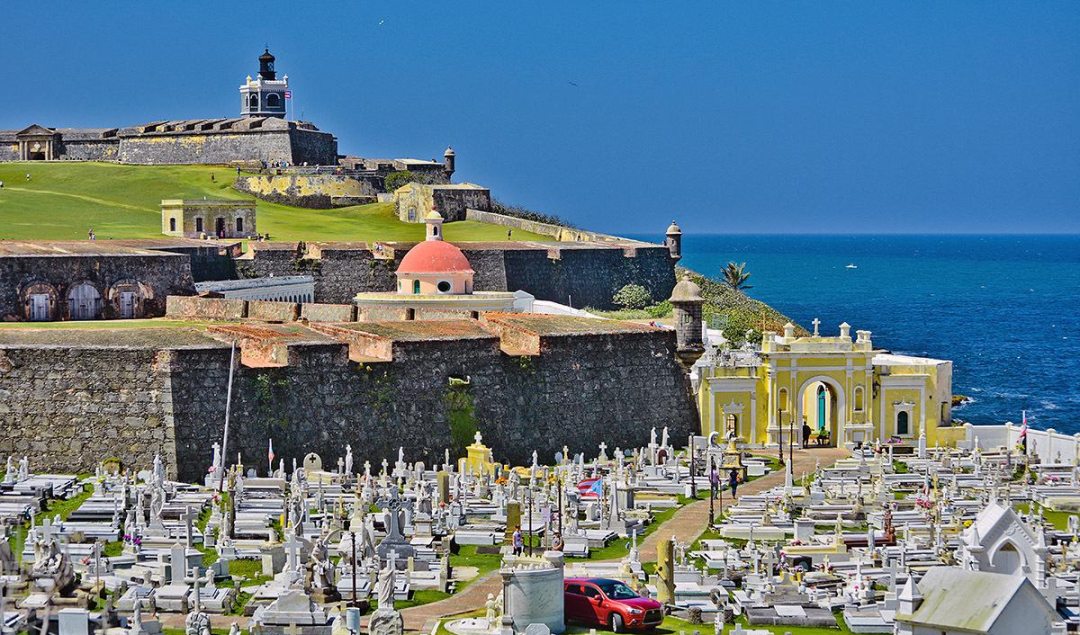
(125, 299)
(39, 300)
(1008, 560)
(84, 302)
(821, 405)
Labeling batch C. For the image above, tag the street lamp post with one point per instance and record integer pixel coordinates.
(693, 482)
(780, 430)
(720, 489)
(712, 490)
(791, 442)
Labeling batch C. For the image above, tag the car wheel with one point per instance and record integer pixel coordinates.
(616, 623)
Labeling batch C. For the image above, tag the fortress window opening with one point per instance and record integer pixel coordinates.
(239, 224)
(444, 286)
(198, 225)
(902, 427)
(172, 224)
(731, 425)
(273, 101)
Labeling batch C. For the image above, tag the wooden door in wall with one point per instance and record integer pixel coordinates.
(39, 307)
(127, 305)
(83, 302)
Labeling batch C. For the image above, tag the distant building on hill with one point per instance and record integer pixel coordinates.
(208, 217)
(261, 134)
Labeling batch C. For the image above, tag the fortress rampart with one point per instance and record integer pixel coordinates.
(194, 141)
(73, 398)
(581, 274)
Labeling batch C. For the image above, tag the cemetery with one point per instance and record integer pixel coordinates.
(831, 540)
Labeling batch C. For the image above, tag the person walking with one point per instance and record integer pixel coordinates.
(733, 482)
(714, 480)
(519, 542)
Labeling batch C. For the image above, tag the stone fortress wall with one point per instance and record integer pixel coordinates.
(581, 274)
(107, 269)
(195, 141)
(73, 406)
(312, 191)
(73, 398)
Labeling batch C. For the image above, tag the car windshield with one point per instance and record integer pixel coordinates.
(617, 590)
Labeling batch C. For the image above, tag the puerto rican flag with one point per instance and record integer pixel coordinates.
(288, 94)
(1022, 442)
(270, 453)
(590, 487)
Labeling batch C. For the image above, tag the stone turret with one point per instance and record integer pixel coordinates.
(448, 163)
(674, 241)
(686, 304)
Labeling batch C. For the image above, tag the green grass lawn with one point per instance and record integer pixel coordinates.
(1059, 520)
(62, 201)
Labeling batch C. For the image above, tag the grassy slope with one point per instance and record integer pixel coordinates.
(61, 201)
(738, 313)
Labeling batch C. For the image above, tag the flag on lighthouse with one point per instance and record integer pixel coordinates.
(288, 94)
(270, 452)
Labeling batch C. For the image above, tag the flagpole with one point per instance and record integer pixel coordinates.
(228, 403)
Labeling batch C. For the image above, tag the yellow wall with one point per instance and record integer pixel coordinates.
(781, 390)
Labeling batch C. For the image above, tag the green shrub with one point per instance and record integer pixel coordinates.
(397, 179)
(632, 296)
(517, 211)
(659, 310)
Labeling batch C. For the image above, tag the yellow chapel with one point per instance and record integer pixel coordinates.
(845, 390)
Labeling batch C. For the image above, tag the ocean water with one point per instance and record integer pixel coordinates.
(1004, 309)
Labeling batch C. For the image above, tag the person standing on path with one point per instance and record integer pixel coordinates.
(733, 482)
(806, 431)
(714, 480)
(519, 543)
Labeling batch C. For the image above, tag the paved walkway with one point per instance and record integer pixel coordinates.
(685, 525)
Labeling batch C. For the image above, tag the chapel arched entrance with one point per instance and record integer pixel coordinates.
(821, 405)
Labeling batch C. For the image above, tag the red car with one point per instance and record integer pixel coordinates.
(610, 604)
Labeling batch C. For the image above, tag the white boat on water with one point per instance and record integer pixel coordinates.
(851, 266)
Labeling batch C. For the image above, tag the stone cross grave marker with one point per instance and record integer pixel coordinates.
(189, 517)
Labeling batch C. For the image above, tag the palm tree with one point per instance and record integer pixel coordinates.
(735, 276)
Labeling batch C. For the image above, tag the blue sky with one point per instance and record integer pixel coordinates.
(755, 117)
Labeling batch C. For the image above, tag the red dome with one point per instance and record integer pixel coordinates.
(434, 256)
